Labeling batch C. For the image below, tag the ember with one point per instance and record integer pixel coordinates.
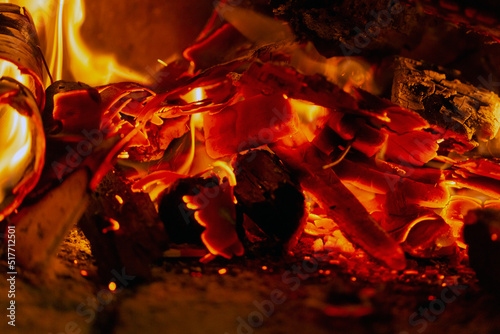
(259, 143)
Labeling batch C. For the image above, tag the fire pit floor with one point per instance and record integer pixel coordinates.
(265, 295)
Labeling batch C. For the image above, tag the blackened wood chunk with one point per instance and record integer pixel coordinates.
(179, 221)
(269, 194)
(459, 109)
(481, 233)
(354, 27)
(61, 86)
(136, 244)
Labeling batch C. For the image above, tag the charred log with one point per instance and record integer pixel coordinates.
(462, 113)
(337, 28)
(52, 126)
(123, 229)
(178, 219)
(269, 194)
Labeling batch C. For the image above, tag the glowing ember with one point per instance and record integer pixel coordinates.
(115, 226)
(112, 286)
(363, 162)
(218, 218)
(119, 199)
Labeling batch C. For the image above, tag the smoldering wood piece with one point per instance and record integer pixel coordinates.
(178, 219)
(61, 86)
(482, 15)
(466, 112)
(269, 194)
(326, 23)
(138, 242)
(481, 230)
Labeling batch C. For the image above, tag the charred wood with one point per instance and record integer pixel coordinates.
(462, 113)
(123, 229)
(270, 195)
(481, 230)
(178, 219)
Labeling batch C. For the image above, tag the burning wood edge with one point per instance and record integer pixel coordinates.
(41, 228)
(20, 54)
(123, 229)
(23, 154)
(259, 76)
(344, 208)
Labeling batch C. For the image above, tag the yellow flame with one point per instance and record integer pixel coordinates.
(8, 69)
(194, 95)
(16, 138)
(308, 112)
(58, 23)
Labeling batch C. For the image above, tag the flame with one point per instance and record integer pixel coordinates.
(58, 23)
(194, 95)
(8, 69)
(16, 137)
(308, 114)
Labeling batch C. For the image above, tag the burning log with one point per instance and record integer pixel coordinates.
(478, 174)
(341, 205)
(270, 195)
(20, 54)
(254, 122)
(23, 140)
(21, 98)
(178, 219)
(123, 229)
(460, 113)
(42, 226)
(216, 211)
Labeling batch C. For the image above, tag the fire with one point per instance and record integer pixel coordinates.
(14, 156)
(194, 95)
(59, 23)
(23, 145)
(7, 69)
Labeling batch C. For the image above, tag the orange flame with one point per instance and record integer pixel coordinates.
(58, 23)
(16, 136)
(194, 95)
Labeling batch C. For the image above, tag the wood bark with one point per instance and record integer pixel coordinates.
(468, 114)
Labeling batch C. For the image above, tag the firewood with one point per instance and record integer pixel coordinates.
(123, 229)
(20, 46)
(461, 113)
(340, 204)
(178, 219)
(23, 141)
(481, 231)
(41, 227)
(270, 195)
(250, 123)
(482, 16)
